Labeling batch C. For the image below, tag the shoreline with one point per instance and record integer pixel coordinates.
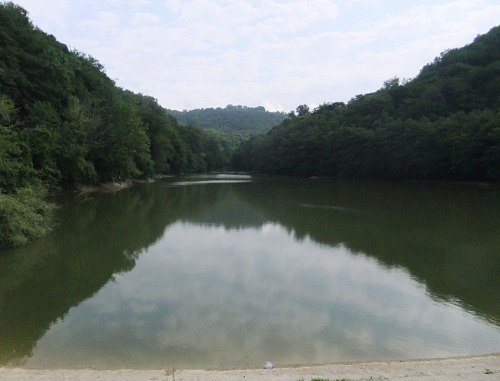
(477, 368)
(116, 186)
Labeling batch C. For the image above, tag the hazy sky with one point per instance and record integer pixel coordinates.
(275, 53)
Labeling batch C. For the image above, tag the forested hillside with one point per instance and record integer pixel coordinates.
(442, 125)
(240, 120)
(64, 123)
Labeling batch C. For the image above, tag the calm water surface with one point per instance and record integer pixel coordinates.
(231, 271)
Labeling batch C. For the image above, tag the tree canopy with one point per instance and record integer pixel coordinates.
(64, 123)
(241, 121)
(442, 125)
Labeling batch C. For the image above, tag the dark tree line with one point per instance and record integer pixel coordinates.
(64, 123)
(442, 125)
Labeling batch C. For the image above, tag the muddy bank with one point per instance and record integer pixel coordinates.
(117, 186)
(107, 187)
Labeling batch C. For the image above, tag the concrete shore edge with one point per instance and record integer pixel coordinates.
(473, 368)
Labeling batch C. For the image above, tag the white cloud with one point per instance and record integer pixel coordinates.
(200, 53)
(103, 22)
(57, 14)
(352, 2)
(145, 19)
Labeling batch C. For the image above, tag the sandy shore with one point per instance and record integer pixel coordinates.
(473, 368)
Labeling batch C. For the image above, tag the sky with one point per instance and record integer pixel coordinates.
(274, 53)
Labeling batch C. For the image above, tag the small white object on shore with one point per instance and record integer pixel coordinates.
(268, 365)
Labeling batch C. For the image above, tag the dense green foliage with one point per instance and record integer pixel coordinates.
(442, 125)
(64, 123)
(241, 121)
(24, 215)
(73, 124)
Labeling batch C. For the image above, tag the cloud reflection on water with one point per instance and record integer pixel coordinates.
(204, 296)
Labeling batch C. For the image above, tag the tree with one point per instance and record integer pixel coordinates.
(16, 170)
(442, 125)
(302, 110)
(233, 120)
(122, 148)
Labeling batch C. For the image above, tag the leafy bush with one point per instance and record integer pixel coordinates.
(24, 215)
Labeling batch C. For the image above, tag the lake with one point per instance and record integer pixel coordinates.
(224, 271)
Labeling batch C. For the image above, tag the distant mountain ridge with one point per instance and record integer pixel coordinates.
(231, 119)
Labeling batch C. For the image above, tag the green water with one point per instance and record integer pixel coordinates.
(222, 271)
